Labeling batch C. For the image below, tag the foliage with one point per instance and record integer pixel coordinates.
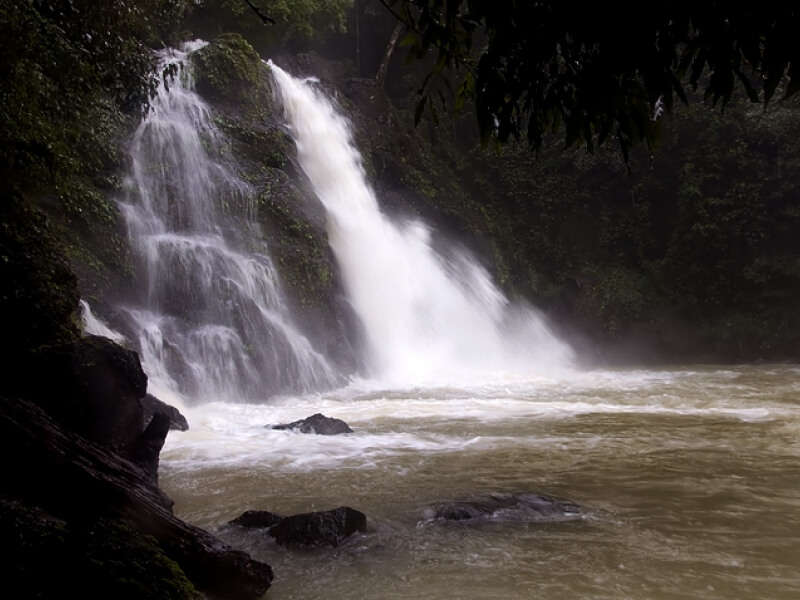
(72, 66)
(598, 70)
(297, 22)
(40, 293)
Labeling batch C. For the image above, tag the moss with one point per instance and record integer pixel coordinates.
(300, 250)
(119, 562)
(108, 558)
(228, 69)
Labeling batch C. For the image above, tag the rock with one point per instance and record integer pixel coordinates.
(328, 527)
(80, 482)
(147, 448)
(97, 388)
(319, 424)
(152, 405)
(92, 386)
(256, 519)
(228, 69)
(506, 507)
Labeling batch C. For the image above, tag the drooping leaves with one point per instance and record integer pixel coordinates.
(598, 68)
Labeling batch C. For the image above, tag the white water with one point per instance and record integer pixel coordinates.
(211, 321)
(426, 318)
(93, 325)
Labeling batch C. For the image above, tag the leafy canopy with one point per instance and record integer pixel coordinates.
(599, 69)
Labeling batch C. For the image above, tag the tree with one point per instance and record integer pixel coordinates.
(599, 70)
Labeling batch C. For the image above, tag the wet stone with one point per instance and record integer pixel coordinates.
(324, 528)
(505, 507)
(318, 424)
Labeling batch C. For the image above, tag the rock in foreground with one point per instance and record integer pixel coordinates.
(319, 424)
(79, 485)
(506, 507)
(324, 528)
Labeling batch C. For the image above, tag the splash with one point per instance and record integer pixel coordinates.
(425, 317)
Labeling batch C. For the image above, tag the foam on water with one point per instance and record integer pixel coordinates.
(390, 422)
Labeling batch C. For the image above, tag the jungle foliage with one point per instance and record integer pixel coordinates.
(601, 71)
(71, 70)
(295, 24)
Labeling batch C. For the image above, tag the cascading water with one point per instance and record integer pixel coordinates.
(425, 317)
(212, 322)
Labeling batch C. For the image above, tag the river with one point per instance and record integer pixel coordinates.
(688, 477)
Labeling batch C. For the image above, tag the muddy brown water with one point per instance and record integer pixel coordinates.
(689, 479)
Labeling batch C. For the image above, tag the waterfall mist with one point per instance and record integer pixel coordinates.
(425, 317)
(210, 321)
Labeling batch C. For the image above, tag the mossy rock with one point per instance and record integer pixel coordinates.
(108, 558)
(228, 69)
(299, 247)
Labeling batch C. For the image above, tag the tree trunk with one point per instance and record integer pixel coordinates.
(357, 15)
(387, 56)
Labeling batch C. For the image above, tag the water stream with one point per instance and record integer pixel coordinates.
(690, 479)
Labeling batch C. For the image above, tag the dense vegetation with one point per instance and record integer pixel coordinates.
(601, 71)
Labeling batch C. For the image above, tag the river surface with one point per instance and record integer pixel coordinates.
(689, 479)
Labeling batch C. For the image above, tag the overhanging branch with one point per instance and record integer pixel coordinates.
(264, 18)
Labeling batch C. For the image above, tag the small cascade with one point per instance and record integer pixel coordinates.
(211, 321)
(425, 316)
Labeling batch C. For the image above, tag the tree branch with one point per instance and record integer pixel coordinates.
(264, 18)
(387, 57)
(394, 13)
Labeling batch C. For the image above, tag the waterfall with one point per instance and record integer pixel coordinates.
(425, 316)
(211, 321)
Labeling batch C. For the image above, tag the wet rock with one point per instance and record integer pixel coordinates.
(152, 405)
(324, 528)
(97, 388)
(256, 519)
(319, 424)
(79, 481)
(505, 507)
(93, 387)
(146, 449)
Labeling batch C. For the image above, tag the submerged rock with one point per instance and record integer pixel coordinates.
(324, 528)
(319, 424)
(506, 507)
(256, 519)
(152, 406)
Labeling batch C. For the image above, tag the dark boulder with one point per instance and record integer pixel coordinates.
(256, 519)
(147, 447)
(97, 388)
(324, 528)
(319, 424)
(152, 405)
(92, 386)
(82, 483)
(505, 507)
